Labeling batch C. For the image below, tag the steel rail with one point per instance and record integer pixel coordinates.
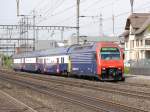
(118, 83)
(105, 87)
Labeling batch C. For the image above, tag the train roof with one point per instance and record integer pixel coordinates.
(91, 47)
(57, 51)
(46, 52)
(83, 48)
(27, 54)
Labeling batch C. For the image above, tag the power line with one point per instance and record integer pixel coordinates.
(118, 15)
(62, 11)
(64, 20)
(93, 4)
(47, 11)
(38, 4)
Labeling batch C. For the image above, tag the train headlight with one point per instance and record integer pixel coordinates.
(119, 68)
(103, 68)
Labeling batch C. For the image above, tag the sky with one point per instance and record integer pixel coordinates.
(63, 12)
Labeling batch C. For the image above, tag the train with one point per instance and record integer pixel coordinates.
(101, 60)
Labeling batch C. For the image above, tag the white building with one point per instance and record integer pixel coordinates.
(137, 37)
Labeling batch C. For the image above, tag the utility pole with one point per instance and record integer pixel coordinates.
(78, 25)
(34, 31)
(34, 36)
(62, 34)
(37, 38)
(113, 22)
(18, 2)
(131, 2)
(101, 25)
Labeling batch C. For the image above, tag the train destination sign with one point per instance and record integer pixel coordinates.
(109, 49)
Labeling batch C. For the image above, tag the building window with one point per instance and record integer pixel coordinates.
(132, 43)
(137, 43)
(147, 42)
(141, 42)
(126, 44)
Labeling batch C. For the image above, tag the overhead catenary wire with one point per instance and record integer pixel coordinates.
(92, 4)
(116, 16)
(57, 12)
(38, 4)
(57, 6)
(60, 12)
(64, 20)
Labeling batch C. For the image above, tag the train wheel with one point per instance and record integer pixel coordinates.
(123, 79)
(39, 71)
(68, 75)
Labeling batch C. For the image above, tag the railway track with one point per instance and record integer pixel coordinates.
(93, 103)
(120, 83)
(107, 87)
(12, 104)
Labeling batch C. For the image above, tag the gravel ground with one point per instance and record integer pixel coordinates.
(8, 104)
(55, 105)
(135, 102)
(40, 102)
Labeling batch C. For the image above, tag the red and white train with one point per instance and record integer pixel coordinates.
(102, 60)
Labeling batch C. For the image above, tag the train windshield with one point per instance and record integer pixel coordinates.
(110, 53)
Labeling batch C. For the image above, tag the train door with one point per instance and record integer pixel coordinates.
(44, 63)
(94, 65)
(69, 64)
(36, 64)
(22, 64)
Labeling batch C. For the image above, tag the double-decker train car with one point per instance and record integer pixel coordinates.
(18, 62)
(54, 61)
(49, 61)
(26, 61)
(102, 60)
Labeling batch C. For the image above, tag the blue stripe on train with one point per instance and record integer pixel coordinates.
(17, 67)
(52, 68)
(30, 67)
(86, 69)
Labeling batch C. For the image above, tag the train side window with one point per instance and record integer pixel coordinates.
(62, 59)
(57, 60)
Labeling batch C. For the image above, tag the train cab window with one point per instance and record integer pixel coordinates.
(110, 53)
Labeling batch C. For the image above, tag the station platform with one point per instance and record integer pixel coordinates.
(139, 79)
(146, 77)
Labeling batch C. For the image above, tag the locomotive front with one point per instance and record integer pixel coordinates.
(110, 62)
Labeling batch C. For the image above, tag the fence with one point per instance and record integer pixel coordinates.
(140, 67)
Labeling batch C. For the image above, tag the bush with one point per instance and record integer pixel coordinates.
(7, 61)
(126, 70)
